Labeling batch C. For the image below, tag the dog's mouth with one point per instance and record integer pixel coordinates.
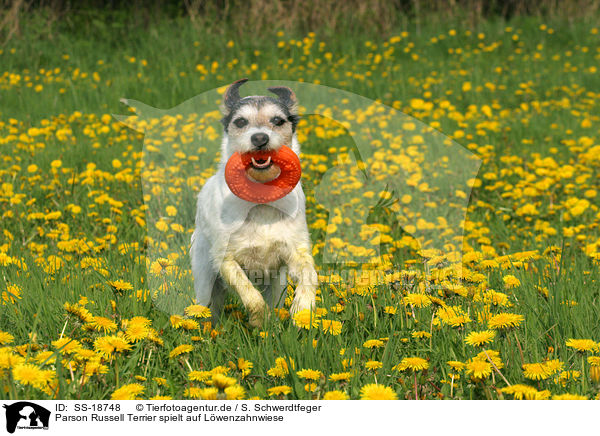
(262, 170)
(262, 164)
(263, 176)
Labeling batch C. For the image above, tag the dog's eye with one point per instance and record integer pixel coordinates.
(278, 121)
(240, 122)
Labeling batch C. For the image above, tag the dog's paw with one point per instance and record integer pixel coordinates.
(302, 301)
(257, 314)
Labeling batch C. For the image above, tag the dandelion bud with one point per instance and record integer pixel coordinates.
(595, 373)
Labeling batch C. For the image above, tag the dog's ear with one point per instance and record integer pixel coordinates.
(287, 97)
(232, 96)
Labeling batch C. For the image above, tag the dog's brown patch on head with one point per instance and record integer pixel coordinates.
(266, 112)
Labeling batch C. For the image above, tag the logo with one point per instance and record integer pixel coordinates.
(26, 415)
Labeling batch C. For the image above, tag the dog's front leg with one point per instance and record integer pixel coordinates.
(302, 270)
(234, 275)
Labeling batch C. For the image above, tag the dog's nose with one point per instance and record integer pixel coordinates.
(259, 140)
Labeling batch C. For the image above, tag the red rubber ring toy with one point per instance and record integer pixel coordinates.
(255, 192)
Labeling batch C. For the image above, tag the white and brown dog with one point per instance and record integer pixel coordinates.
(242, 245)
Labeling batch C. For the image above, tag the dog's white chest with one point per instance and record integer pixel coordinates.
(265, 240)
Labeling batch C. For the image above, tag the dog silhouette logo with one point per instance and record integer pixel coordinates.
(26, 415)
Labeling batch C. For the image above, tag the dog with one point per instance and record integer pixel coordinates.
(251, 248)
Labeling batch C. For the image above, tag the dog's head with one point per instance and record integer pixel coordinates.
(259, 123)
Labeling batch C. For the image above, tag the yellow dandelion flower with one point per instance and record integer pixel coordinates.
(521, 392)
(279, 390)
(219, 370)
(194, 392)
(377, 392)
(94, 367)
(128, 392)
(137, 320)
(160, 381)
(28, 374)
(67, 345)
(209, 393)
(417, 300)
(458, 320)
(120, 344)
(505, 320)
(236, 392)
(8, 359)
(153, 336)
(583, 345)
(456, 365)
(12, 293)
(310, 387)
(511, 281)
(542, 395)
(46, 357)
(480, 338)
(332, 327)
(553, 366)
(181, 349)
(200, 376)
(309, 374)
(479, 369)
(198, 311)
(595, 373)
(282, 313)
(121, 285)
(566, 376)
(373, 365)
(245, 366)
(412, 363)
(6, 338)
(306, 319)
(190, 324)
(340, 376)
(106, 346)
(569, 397)
(337, 308)
(535, 371)
(280, 369)
(493, 355)
(176, 321)
(160, 266)
(594, 360)
(221, 381)
(105, 325)
(336, 395)
(373, 343)
(136, 332)
(79, 311)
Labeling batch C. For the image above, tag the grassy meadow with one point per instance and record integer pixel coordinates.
(76, 314)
